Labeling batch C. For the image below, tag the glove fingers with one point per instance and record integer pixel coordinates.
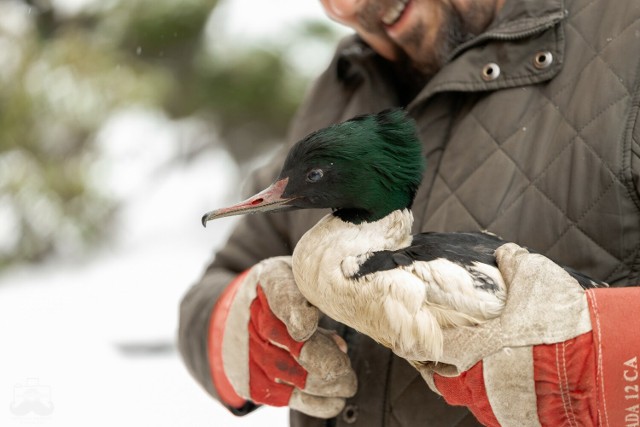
(286, 301)
(344, 386)
(318, 365)
(542, 276)
(315, 406)
(328, 367)
(507, 258)
(544, 303)
(269, 327)
(515, 261)
(264, 389)
(340, 342)
(272, 349)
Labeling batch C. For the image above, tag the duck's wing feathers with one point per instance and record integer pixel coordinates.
(467, 250)
(461, 248)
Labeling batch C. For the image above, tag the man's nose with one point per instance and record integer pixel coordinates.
(342, 10)
(347, 8)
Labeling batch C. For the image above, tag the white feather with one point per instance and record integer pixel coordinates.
(405, 308)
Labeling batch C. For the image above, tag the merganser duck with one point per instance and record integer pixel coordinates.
(360, 264)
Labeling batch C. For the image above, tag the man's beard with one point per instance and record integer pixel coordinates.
(453, 32)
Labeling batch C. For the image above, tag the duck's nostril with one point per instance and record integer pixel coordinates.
(257, 201)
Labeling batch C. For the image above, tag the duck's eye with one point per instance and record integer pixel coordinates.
(314, 175)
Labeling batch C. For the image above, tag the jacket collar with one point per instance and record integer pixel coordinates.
(519, 19)
(522, 30)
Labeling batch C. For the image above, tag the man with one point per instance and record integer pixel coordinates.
(528, 112)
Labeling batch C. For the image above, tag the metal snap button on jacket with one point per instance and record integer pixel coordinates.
(491, 71)
(542, 59)
(350, 414)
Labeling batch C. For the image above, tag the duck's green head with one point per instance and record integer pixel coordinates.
(364, 169)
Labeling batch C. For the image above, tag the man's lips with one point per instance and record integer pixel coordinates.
(394, 13)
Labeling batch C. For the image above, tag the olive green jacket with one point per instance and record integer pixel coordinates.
(530, 131)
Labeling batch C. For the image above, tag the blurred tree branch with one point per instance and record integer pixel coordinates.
(63, 75)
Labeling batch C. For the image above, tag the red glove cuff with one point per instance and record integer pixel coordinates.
(564, 375)
(468, 390)
(592, 379)
(217, 323)
(273, 369)
(272, 356)
(616, 332)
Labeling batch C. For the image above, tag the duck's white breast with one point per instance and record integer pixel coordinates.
(323, 262)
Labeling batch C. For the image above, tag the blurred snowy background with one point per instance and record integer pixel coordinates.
(121, 123)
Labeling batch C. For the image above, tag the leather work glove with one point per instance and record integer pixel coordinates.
(265, 346)
(557, 356)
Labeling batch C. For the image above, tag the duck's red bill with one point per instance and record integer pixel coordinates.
(268, 200)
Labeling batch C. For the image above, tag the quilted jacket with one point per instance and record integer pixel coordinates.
(530, 131)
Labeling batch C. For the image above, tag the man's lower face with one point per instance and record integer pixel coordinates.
(424, 32)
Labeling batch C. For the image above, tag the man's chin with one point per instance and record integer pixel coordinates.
(424, 56)
(421, 66)
(427, 69)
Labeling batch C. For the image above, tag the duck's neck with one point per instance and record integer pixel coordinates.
(332, 239)
(359, 216)
(319, 257)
